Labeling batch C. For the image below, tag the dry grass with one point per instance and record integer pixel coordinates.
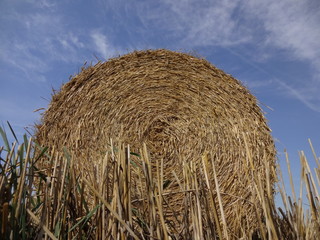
(58, 208)
(182, 108)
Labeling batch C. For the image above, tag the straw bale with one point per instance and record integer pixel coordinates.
(181, 107)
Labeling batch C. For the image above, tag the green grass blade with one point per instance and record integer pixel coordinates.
(86, 218)
(13, 133)
(43, 151)
(5, 140)
(26, 142)
(57, 229)
(135, 154)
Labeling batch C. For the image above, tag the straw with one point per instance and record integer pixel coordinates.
(180, 106)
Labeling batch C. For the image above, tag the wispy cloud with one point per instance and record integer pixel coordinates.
(290, 25)
(194, 22)
(293, 27)
(102, 45)
(44, 40)
(42, 3)
(39, 42)
(308, 100)
(209, 23)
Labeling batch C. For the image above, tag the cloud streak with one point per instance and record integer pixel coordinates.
(300, 95)
(43, 39)
(291, 25)
(102, 44)
(209, 23)
(194, 22)
(38, 43)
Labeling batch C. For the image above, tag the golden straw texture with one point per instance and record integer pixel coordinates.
(181, 107)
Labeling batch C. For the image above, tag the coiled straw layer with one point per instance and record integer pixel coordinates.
(181, 107)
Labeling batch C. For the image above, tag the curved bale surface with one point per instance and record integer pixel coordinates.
(181, 107)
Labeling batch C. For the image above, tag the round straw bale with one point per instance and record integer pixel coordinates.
(181, 107)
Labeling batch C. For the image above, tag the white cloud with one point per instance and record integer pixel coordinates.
(102, 45)
(42, 3)
(310, 101)
(71, 44)
(209, 23)
(45, 37)
(46, 3)
(195, 22)
(42, 39)
(291, 25)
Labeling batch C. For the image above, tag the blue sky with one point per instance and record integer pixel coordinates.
(272, 46)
